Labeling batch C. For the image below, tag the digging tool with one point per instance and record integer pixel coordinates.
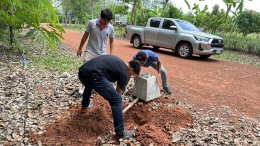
(146, 88)
(130, 105)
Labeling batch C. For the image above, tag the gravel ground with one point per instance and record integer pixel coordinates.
(30, 99)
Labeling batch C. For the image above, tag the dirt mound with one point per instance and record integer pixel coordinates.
(154, 124)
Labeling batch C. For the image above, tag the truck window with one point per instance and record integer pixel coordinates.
(155, 23)
(187, 26)
(167, 24)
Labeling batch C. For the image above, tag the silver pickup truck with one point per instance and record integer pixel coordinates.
(180, 36)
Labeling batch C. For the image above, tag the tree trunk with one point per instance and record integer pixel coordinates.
(133, 13)
(66, 17)
(92, 9)
(76, 21)
(227, 12)
(69, 18)
(143, 16)
(11, 35)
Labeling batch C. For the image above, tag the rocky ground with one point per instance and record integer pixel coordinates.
(38, 107)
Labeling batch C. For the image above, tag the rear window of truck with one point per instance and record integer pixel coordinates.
(155, 23)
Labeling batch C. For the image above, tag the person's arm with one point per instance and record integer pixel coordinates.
(82, 42)
(159, 66)
(111, 40)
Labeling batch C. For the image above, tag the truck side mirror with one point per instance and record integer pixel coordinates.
(173, 27)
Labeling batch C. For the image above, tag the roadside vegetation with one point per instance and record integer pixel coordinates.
(57, 61)
(239, 57)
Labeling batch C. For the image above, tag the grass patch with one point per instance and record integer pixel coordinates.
(57, 62)
(236, 42)
(239, 58)
(76, 27)
(119, 31)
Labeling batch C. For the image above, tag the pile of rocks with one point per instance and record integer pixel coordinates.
(30, 99)
(209, 128)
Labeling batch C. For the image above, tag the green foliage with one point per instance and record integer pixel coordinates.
(172, 12)
(119, 9)
(248, 22)
(239, 43)
(215, 20)
(142, 20)
(200, 15)
(83, 10)
(238, 5)
(57, 61)
(20, 13)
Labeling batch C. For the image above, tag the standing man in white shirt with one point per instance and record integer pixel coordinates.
(97, 32)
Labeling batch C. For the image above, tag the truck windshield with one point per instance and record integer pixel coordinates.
(187, 26)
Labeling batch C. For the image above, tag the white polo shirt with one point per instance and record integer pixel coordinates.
(97, 40)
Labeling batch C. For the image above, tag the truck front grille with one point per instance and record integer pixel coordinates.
(217, 43)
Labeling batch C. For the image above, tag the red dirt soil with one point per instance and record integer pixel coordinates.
(153, 126)
(199, 82)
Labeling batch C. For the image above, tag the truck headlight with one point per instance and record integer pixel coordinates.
(201, 38)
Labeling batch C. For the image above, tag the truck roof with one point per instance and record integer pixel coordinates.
(166, 18)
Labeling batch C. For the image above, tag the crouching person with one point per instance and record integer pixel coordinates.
(97, 74)
(149, 58)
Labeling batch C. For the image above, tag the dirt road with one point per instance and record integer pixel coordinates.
(201, 83)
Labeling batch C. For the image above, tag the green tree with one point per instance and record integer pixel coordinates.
(119, 9)
(200, 15)
(15, 15)
(172, 12)
(136, 5)
(248, 22)
(81, 10)
(215, 20)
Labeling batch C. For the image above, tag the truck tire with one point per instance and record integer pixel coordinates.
(205, 56)
(184, 50)
(137, 42)
(156, 48)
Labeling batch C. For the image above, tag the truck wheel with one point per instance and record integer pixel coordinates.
(156, 48)
(205, 56)
(137, 42)
(184, 50)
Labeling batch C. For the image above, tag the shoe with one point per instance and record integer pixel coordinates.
(167, 90)
(85, 109)
(81, 89)
(127, 134)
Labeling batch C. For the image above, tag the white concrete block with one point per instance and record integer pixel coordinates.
(146, 87)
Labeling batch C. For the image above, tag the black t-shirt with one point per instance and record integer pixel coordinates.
(108, 66)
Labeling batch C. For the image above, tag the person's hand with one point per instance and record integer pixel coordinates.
(79, 52)
(158, 75)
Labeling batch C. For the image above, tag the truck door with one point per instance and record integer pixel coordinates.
(167, 37)
(151, 32)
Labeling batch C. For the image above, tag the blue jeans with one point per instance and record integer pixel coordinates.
(106, 89)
